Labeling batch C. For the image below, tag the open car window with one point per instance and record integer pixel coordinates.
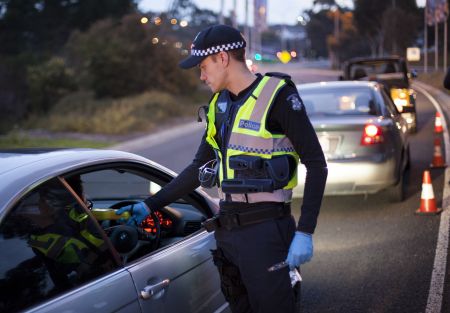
(113, 188)
(53, 246)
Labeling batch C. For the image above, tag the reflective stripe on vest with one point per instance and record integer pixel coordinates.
(249, 136)
(66, 249)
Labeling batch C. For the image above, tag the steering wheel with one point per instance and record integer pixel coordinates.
(127, 239)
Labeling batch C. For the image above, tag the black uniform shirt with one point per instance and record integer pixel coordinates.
(287, 116)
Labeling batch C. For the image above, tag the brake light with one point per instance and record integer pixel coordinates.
(372, 134)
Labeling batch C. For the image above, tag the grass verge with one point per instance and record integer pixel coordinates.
(18, 140)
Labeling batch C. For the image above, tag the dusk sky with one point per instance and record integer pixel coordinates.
(279, 12)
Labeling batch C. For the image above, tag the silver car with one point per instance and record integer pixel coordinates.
(64, 248)
(363, 136)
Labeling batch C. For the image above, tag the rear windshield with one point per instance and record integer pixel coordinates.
(388, 68)
(338, 101)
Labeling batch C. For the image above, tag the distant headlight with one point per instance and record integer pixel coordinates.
(400, 97)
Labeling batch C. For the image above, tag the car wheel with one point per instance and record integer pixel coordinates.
(397, 192)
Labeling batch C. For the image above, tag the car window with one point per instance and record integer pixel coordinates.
(50, 245)
(360, 70)
(339, 101)
(110, 189)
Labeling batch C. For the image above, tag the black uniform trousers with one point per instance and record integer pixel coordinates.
(253, 249)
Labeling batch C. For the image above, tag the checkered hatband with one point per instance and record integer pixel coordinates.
(216, 49)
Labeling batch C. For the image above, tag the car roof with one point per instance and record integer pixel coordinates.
(338, 84)
(22, 170)
(50, 159)
(374, 59)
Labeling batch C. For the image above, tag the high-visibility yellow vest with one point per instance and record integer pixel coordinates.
(249, 136)
(66, 249)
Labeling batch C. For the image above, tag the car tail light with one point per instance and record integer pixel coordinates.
(372, 134)
(400, 96)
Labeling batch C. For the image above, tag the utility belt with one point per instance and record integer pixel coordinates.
(232, 218)
(252, 174)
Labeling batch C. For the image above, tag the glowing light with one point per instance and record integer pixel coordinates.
(183, 23)
(155, 40)
(371, 130)
(293, 54)
(173, 21)
(262, 10)
(258, 57)
(284, 56)
(144, 20)
(157, 20)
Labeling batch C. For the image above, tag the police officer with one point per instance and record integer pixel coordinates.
(257, 130)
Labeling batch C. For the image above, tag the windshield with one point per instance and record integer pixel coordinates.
(338, 101)
(361, 70)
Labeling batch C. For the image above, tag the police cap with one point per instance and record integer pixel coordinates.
(212, 40)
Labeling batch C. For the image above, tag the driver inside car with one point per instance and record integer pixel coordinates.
(65, 239)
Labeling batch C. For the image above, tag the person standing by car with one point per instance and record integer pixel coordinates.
(257, 129)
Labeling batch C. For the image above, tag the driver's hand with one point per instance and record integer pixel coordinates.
(138, 212)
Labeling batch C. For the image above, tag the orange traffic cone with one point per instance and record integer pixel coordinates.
(438, 160)
(438, 123)
(427, 201)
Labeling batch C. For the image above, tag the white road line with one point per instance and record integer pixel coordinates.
(435, 295)
(444, 122)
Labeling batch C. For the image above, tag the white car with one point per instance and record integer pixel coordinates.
(63, 248)
(363, 136)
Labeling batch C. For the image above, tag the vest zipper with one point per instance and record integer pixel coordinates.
(227, 134)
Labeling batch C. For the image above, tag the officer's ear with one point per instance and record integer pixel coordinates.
(224, 58)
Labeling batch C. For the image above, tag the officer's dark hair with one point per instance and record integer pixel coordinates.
(238, 54)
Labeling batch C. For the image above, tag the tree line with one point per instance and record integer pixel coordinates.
(51, 48)
(370, 28)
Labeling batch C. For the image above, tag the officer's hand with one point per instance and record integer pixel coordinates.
(301, 250)
(138, 211)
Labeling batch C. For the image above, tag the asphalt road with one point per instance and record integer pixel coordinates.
(370, 255)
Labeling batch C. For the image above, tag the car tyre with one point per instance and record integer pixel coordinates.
(397, 192)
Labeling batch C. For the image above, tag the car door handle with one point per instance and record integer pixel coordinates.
(151, 290)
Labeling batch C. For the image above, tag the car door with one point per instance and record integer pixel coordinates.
(180, 279)
(47, 266)
(179, 275)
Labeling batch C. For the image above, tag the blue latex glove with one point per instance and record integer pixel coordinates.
(138, 212)
(301, 250)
